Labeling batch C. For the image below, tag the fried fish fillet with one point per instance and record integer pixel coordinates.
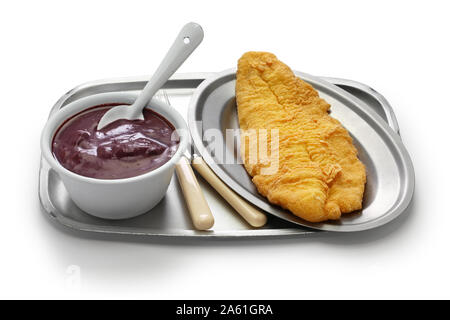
(319, 175)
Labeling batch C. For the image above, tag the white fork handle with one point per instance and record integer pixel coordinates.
(187, 40)
(198, 207)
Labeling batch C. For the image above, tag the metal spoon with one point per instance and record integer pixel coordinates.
(190, 36)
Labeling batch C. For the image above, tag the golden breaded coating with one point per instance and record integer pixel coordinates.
(319, 175)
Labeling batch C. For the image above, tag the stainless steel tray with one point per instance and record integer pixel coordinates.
(170, 218)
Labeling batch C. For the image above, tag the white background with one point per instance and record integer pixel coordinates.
(400, 48)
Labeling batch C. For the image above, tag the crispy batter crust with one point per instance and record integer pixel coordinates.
(319, 175)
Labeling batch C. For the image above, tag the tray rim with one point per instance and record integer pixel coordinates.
(53, 214)
(201, 76)
(400, 205)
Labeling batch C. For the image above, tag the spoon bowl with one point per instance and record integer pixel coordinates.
(117, 113)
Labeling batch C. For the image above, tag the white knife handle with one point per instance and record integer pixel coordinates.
(252, 215)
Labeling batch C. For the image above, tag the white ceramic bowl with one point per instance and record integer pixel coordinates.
(118, 198)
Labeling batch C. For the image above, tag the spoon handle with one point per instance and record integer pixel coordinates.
(190, 36)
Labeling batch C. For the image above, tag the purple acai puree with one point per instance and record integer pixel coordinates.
(122, 149)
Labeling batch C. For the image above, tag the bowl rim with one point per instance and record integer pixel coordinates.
(79, 105)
